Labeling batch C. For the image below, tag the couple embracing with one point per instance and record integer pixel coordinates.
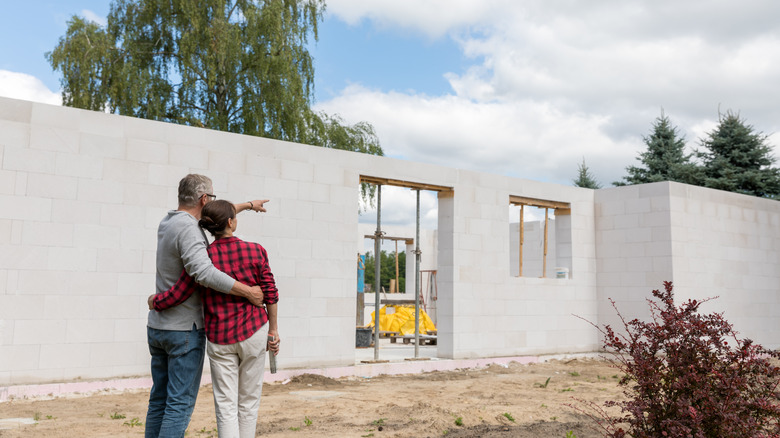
(218, 299)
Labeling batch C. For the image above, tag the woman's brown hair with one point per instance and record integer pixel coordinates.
(215, 215)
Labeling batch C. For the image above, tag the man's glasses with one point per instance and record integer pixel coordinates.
(212, 197)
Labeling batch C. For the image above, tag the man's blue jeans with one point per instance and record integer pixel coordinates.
(177, 364)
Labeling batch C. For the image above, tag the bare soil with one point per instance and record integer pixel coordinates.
(498, 401)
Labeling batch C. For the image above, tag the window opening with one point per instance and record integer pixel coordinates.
(535, 214)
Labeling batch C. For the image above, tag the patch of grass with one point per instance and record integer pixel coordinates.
(307, 421)
(37, 416)
(543, 385)
(509, 416)
(544, 405)
(570, 434)
(51, 417)
(567, 390)
(117, 416)
(367, 435)
(295, 429)
(379, 422)
(459, 421)
(211, 433)
(574, 374)
(553, 418)
(134, 422)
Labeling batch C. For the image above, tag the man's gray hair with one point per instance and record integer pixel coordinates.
(192, 187)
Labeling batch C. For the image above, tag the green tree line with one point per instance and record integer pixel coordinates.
(387, 269)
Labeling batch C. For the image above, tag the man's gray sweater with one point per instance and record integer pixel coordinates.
(181, 244)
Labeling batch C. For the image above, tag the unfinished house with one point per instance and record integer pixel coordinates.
(81, 194)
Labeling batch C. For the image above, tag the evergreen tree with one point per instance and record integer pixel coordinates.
(737, 159)
(232, 65)
(665, 158)
(584, 178)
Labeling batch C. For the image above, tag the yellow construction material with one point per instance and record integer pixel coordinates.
(401, 320)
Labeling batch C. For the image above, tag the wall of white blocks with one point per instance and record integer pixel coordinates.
(727, 245)
(81, 194)
(633, 247)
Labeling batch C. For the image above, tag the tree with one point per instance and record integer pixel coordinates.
(387, 270)
(584, 178)
(737, 159)
(232, 65)
(665, 158)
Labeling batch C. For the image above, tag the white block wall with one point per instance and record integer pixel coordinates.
(81, 194)
(728, 245)
(633, 247)
(485, 310)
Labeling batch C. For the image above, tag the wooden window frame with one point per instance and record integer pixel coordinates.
(560, 209)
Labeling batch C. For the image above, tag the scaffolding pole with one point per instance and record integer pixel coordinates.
(417, 283)
(377, 243)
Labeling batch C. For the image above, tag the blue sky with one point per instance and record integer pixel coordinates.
(522, 88)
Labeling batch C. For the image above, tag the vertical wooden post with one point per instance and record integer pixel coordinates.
(544, 259)
(522, 231)
(397, 286)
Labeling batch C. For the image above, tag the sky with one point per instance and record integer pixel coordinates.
(526, 89)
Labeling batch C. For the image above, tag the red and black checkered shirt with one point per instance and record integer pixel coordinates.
(228, 318)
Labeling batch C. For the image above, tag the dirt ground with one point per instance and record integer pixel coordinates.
(498, 401)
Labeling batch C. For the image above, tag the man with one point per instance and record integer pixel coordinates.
(176, 336)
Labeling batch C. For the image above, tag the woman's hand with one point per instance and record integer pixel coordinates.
(273, 346)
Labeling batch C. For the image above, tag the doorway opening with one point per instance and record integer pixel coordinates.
(398, 253)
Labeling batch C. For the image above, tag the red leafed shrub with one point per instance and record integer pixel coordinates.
(688, 375)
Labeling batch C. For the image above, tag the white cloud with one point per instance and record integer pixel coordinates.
(91, 16)
(25, 87)
(399, 207)
(525, 139)
(553, 82)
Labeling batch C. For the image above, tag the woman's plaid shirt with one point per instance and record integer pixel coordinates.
(228, 318)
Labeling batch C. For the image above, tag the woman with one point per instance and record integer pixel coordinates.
(237, 331)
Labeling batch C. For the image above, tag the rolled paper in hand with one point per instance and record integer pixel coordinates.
(272, 356)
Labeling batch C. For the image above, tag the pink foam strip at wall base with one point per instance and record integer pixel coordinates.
(51, 390)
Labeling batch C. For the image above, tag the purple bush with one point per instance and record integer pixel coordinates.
(689, 375)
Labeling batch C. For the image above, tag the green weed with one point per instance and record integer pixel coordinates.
(134, 422)
(543, 385)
